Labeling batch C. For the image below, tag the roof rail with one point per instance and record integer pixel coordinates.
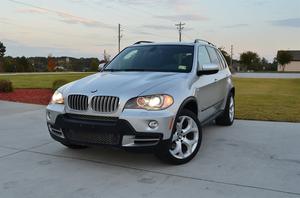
(141, 42)
(204, 41)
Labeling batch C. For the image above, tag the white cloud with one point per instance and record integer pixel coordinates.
(63, 16)
(183, 17)
(31, 10)
(292, 22)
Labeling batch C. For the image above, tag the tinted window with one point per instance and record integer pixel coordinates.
(213, 56)
(221, 59)
(161, 58)
(203, 57)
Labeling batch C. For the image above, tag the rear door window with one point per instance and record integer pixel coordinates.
(203, 57)
(224, 65)
(214, 56)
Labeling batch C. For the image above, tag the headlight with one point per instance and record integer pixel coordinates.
(152, 103)
(57, 98)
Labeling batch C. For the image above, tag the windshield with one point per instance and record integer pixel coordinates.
(160, 58)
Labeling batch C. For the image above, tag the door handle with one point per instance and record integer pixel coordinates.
(216, 79)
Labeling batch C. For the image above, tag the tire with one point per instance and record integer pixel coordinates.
(227, 117)
(183, 144)
(74, 146)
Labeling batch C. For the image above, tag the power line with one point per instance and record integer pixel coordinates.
(180, 28)
(98, 23)
(80, 19)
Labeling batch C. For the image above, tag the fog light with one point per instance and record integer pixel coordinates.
(153, 124)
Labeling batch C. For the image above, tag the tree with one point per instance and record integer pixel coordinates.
(51, 63)
(250, 60)
(226, 55)
(264, 63)
(2, 50)
(94, 63)
(23, 65)
(9, 64)
(284, 58)
(2, 53)
(106, 56)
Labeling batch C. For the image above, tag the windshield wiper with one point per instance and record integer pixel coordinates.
(135, 70)
(139, 70)
(112, 70)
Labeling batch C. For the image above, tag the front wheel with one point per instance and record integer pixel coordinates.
(185, 141)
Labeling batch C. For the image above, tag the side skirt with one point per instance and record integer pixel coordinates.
(211, 118)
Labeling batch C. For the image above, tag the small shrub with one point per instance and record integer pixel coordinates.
(6, 86)
(58, 83)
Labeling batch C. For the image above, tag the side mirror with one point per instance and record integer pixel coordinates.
(208, 69)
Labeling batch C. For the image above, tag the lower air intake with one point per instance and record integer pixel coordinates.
(93, 137)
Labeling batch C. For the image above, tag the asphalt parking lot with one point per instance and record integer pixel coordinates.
(249, 159)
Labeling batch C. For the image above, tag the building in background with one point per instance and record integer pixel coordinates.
(294, 65)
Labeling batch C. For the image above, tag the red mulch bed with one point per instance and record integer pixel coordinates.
(33, 96)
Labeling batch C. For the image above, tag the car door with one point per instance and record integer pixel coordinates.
(206, 88)
(223, 76)
(219, 78)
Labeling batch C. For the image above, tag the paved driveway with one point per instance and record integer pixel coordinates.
(249, 159)
(267, 75)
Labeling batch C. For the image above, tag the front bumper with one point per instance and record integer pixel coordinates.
(130, 129)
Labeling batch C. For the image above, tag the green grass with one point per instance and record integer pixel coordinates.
(41, 80)
(268, 99)
(256, 99)
(279, 72)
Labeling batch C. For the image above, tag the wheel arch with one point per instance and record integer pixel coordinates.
(232, 90)
(189, 103)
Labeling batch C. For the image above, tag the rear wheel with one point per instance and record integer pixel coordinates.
(227, 118)
(185, 141)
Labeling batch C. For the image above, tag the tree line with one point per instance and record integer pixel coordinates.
(48, 64)
(251, 61)
(248, 61)
(45, 64)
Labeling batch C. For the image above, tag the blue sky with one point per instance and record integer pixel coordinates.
(84, 28)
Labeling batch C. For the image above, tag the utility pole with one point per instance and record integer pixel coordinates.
(231, 56)
(119, 37)
(180, 28)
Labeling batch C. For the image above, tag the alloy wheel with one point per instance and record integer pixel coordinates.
(231, 109)
(185, 138)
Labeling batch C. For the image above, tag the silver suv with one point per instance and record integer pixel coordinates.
(151, 95)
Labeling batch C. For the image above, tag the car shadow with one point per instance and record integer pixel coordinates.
(120, 157)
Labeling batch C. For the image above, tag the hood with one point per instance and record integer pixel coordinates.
(120, 83)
